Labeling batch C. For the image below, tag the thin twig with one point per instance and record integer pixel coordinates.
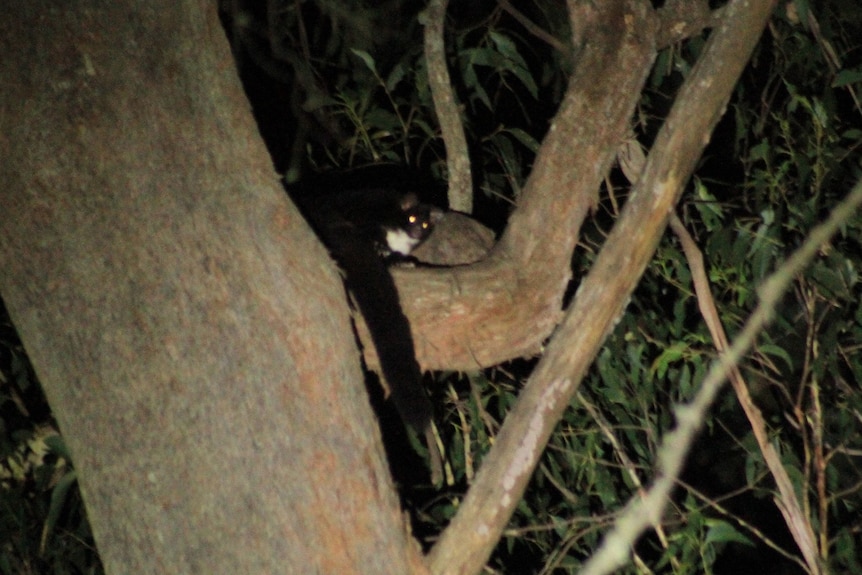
(642, 512)
(536, 30)
(627, 464)
(801, 528)
(447, 109)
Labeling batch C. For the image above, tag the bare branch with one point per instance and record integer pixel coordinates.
(535, 30)
(641, 511)
(506, 305)
(625, 34)
(797, 522)
(681, 19)
(606, 290)
(446, 107)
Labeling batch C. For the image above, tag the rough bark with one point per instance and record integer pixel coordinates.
(176, 307)
(620, 47)
(604, 293)
(447, 109)
(507, 305)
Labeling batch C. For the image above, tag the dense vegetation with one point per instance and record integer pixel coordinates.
(332, 90)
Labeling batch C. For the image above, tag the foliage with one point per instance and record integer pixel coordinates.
(43, 526)
(787, 150)
(771, 173)
(376, 108)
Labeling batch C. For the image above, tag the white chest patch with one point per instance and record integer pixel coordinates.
(400, 241)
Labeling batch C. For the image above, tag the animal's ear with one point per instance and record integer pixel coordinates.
(408, 201)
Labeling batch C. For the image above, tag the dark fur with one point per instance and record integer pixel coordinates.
(352, 223)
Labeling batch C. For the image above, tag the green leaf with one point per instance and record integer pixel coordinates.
(395, 76)
(58, 501)
(56, 444)
(366, 57)
(847, 78)
(723, 532)
(513, 61)
(776, 351)
(675, 352)
(471, 80)
(707, 206)
(507, 48)
(830, 280)
(526, 139)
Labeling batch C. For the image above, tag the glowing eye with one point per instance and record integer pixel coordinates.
(411, 219)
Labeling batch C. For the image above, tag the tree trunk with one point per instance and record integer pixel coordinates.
(189, 330)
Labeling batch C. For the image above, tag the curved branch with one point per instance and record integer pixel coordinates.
(507, 305)
(604, 293)
(625, 29)
(681, 19)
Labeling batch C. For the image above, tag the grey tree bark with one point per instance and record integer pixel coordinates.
(190, 332)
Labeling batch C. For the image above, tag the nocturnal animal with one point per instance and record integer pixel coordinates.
(366, 229)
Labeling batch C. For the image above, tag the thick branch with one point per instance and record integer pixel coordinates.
(681, 19)
(641, 511)
(469, 540)
(507, 305)
(176, 307)
(603, 294)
